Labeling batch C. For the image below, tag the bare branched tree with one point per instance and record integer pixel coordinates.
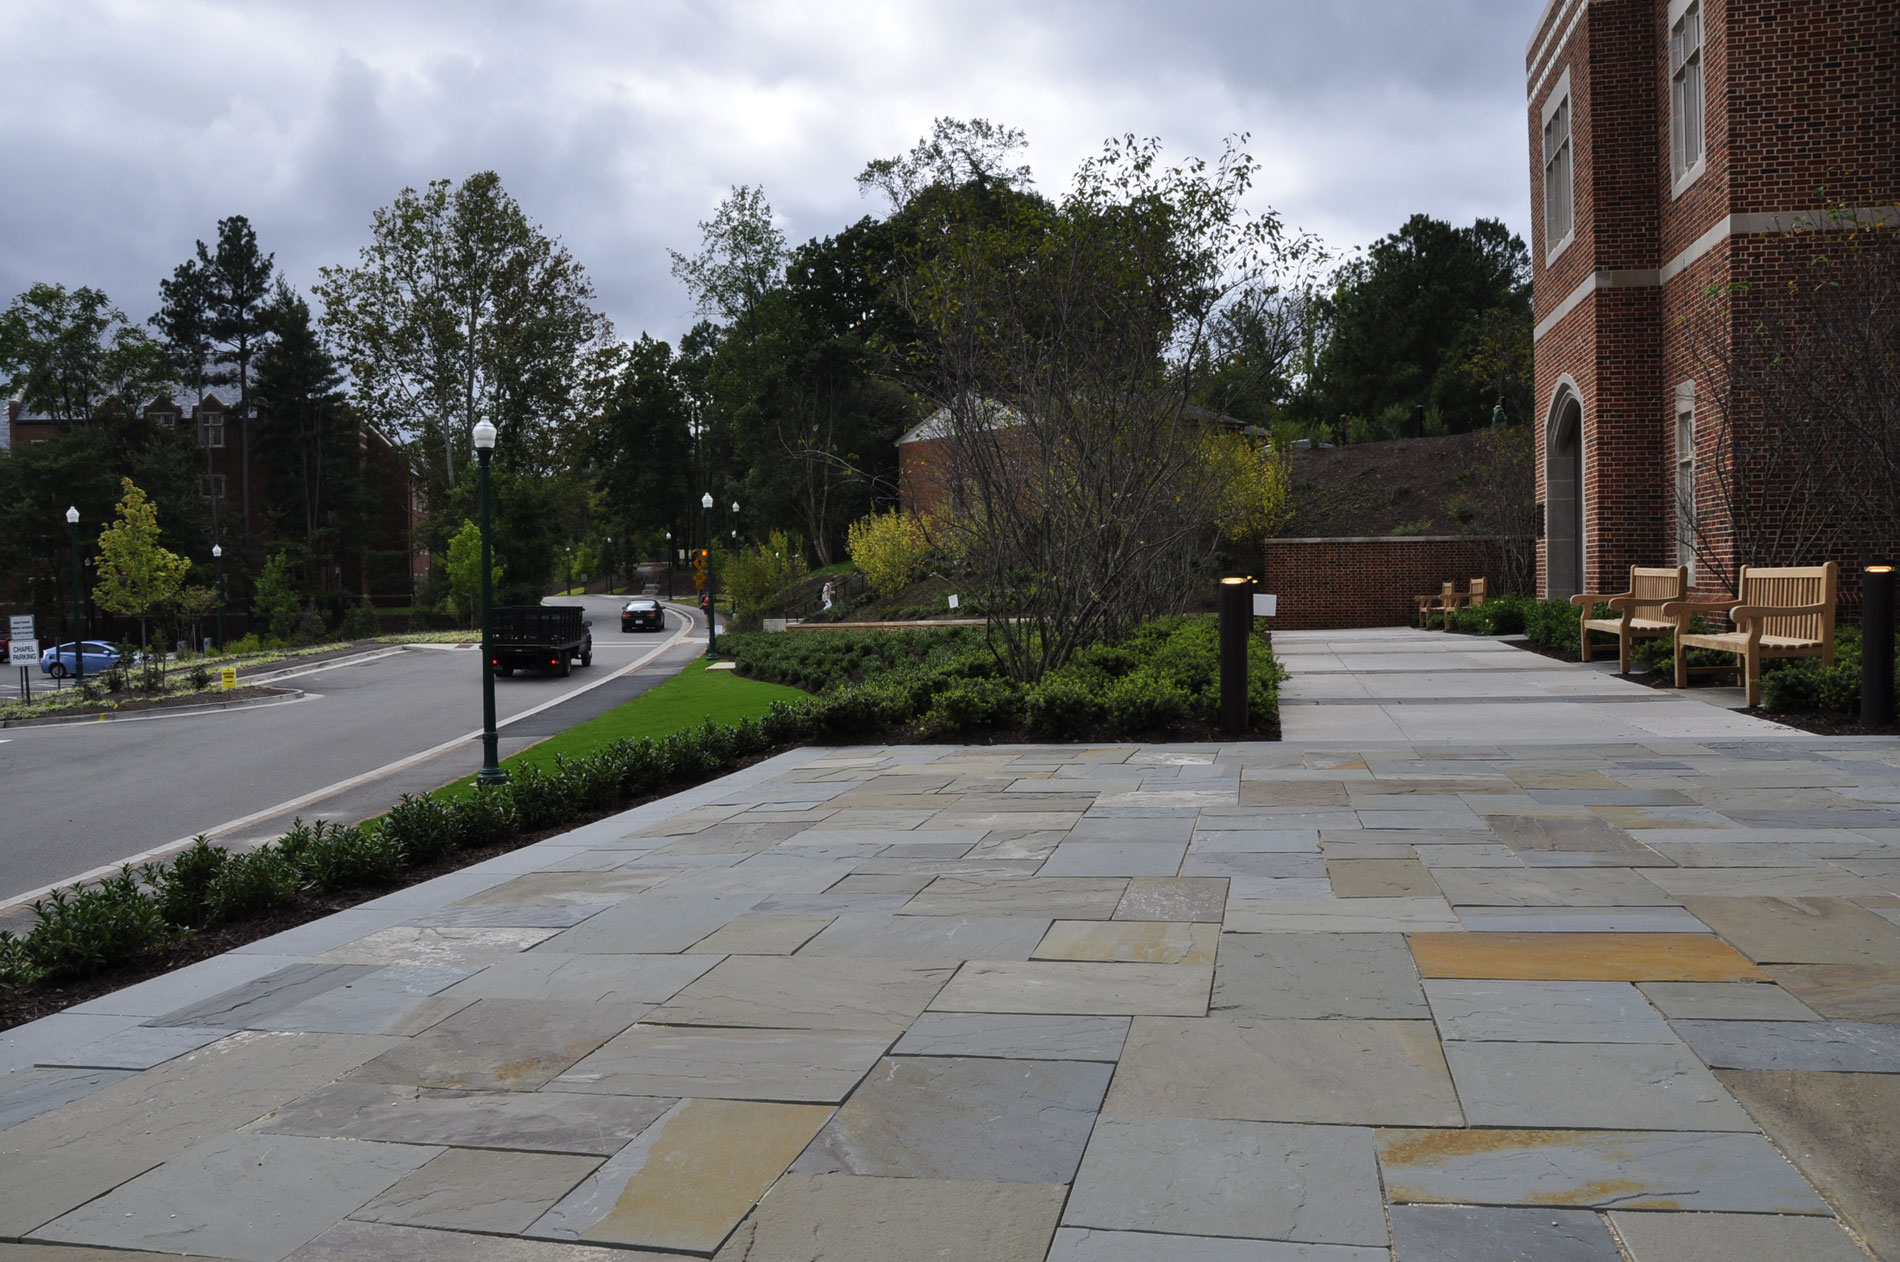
(1797, 391)
(1069, 339)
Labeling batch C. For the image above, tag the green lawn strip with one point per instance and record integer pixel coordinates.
(683, 702)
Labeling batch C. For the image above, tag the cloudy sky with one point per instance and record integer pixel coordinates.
(129, 127)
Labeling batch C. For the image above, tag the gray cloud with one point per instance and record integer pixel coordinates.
(128, 130)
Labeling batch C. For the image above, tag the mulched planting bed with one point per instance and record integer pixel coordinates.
(1820, 722)
(132, 702)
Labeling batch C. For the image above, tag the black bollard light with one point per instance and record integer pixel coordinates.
(1876, 645)
(1236, 623)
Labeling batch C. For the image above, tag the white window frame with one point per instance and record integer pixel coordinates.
(1688, 96)
(211, 430)
(209, 483)
(1685, 476)
(1558, 122)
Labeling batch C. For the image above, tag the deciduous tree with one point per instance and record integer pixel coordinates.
(136, 574)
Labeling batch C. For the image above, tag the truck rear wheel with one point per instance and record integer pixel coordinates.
(566, 669)
(587, 658)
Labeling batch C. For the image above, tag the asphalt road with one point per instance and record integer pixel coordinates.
(78, 797)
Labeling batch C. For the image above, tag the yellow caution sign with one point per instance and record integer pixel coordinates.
(227, 678)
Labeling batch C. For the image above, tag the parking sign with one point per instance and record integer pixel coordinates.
(21, 626)
(23, 652)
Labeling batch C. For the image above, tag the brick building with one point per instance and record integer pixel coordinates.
(1678, 147)
(396, 560)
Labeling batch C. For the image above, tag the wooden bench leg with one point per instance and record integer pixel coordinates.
(1682, 666)
(1623, 652)
(1583, 636)
(1751, 665)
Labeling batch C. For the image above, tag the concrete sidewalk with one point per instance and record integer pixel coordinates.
(1490, 958)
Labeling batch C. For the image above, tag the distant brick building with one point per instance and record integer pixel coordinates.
(1678, 145)
(396, 561)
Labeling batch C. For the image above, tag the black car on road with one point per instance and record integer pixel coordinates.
(642, 613)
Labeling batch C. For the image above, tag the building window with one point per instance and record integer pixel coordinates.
(1686, 106)
(1685, 477)
(211, 485)
(211, 430)
(1559, 196)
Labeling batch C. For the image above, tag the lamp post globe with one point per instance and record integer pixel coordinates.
(491, 772)
(79, 635)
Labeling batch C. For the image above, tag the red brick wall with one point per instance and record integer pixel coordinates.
(1325, 584)
(1799, 99)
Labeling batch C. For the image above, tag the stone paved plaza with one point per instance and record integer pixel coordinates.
(1492, 957)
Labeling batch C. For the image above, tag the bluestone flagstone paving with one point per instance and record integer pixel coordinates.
(1085, 1003)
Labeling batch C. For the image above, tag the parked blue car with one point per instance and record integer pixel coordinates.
(98, 658)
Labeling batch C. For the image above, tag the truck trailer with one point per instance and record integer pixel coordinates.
(540, 637)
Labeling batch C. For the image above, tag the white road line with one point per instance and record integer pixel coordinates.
(298, 803)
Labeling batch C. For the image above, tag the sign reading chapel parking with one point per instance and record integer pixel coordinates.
(23, 652)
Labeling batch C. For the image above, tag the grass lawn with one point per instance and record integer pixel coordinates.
(685, 701)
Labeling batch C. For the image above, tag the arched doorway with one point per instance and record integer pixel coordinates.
(1563, 497)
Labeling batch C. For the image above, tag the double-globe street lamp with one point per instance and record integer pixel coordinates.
(79, 650)
(491, 772)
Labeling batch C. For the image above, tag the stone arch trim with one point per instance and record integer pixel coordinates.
(1565, 498)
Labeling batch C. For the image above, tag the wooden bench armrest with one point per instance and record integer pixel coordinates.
(1583, 600)
(1677, 608)
(1626, 602)
(1741, 613)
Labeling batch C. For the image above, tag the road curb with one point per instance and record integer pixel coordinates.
(61, 720)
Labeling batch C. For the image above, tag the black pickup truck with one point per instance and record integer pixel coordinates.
(541, 637)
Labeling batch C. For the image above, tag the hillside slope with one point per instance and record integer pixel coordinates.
(1408, 486)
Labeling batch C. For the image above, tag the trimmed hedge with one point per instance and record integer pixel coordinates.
(948, 684)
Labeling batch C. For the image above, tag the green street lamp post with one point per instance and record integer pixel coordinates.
(712, 587)
(217, 555)
(79, 635)
(672, 559)
(491, 772)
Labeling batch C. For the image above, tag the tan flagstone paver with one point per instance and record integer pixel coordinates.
(1622, 957)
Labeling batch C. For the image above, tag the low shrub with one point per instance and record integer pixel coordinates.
(973, 703)
(90, 928)
(248, 884)
(1059, 705)
(329, 857)
(421, 828)
(183, 886)
(1144, 702)
(1499, 615)
(200, 679)
(1803, 684)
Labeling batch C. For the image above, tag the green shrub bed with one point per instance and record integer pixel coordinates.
(1163, 680)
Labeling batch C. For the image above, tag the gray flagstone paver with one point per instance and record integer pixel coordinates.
(1011, 1121)
(731, 1064)
(243, 1196)
(537, 1121)
(1734, 1238)
(1829, 1046)
(1015, 1036)
(851, 1218)
(1544, 1012)
(479, 1191)
(1279, 975)
(1085, 1244)
(1608, 1169)
(1609, 1086)
(1204, 1177)
(141, 1047)
(1449, 1233)
(1726, 1001)
(805, 993)
(29, 1093)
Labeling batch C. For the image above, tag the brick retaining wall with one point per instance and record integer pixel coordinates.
(1325, 584)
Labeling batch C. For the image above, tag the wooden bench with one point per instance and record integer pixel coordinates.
(1782, 612)
(1448, 600)
(1639, 610)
